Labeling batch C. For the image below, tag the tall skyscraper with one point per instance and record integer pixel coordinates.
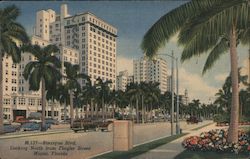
(83, 39)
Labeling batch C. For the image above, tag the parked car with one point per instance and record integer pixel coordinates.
(192, 120)
(51, 121)
(200, 119)
(7, 122)
(88, 124)
(21, 119)
(32, 126)
(8, 128)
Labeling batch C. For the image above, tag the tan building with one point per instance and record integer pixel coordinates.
(122, 80)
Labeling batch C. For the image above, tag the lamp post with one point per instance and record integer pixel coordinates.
(172, 90)
(177, 93)
(177, 99)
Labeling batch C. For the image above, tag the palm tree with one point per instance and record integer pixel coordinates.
(104, 90)
(73, 75)
(210, 25)
(53, 96)
(10, 33)
(137, 91)
(44, 70)
(117, 99)
(152, 95)
(64, 98)
(89, 93)
(165, 102)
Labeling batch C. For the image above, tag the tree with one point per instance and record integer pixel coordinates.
(72, 84)
(44, 70)
(89, 92)
(136, 91)
(64, 98)
(210, 25)
(10, 33)
(103, 92)
(52, 95)
(152, 95)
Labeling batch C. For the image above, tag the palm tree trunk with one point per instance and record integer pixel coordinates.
(92, 107)
(1, 93)
(96, 111)
(77, 113)
(87, 110)
(143, 111)
(234, 120)
(102, 108)
(151, 111)
(65, 112)
(43, 105)
(113, 111)
(137, 109)
(71, 109)
(52, 110)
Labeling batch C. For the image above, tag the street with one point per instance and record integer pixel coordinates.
(67, 144)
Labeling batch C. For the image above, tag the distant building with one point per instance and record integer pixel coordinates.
(122, 80)
(145, 70)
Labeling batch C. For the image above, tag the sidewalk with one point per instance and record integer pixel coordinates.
(172, 149)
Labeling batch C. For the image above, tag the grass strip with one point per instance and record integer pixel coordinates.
(138, 150)
(200, 127)
(31, 135)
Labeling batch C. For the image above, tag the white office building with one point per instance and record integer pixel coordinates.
(148, 70)
(83, 39)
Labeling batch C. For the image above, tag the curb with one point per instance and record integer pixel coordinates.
(35, 134)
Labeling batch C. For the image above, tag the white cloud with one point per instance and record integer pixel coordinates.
(124, 63)
(221, 77)
(196, 86)
(245, 67)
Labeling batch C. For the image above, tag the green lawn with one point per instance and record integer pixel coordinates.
(209, 155)
(139, 149)
(200, 127)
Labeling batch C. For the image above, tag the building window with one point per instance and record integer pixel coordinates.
(13, 89)
(21, 101)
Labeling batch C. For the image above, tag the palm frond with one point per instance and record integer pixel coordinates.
(214, 55)
(10, 12)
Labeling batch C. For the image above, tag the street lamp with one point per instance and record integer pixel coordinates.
(177, 93)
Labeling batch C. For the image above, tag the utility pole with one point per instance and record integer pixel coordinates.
(172, 90)
(177, 99)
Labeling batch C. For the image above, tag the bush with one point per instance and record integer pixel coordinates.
(244, 119)
(221, 118)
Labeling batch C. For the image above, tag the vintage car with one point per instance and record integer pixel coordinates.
(192, 120)
(88, 124)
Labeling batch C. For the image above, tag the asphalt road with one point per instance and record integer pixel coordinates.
(81, 145)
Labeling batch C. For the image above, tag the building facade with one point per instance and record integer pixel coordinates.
(145, 70)
(122, 80)
(83, 39)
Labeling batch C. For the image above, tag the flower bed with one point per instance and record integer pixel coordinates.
(215, 140)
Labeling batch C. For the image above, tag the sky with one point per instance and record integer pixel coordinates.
(133, 19)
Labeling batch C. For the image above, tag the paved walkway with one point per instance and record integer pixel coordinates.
(172, 149)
